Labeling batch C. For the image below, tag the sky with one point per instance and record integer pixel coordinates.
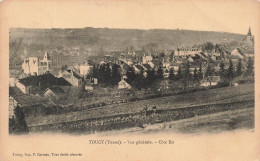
(223, 15)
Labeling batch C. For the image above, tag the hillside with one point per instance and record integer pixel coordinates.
(89, 41)
(116, 39)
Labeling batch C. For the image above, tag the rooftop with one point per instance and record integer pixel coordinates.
(45, 81)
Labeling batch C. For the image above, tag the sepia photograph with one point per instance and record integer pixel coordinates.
(129, 80)
(93, 80)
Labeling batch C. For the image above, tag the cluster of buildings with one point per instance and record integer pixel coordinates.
(40, 81)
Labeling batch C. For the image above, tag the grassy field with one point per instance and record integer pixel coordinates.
(213, 123)
(219, 95)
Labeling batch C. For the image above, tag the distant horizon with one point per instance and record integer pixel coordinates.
(144, 29)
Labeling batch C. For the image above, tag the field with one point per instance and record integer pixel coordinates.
(213, 123)
(211, 96)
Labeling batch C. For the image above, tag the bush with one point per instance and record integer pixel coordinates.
(17, 125)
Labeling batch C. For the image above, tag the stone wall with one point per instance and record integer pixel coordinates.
(138, 119)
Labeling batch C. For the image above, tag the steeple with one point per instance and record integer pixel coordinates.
(249, 32)
(46, 56)
(249, 38)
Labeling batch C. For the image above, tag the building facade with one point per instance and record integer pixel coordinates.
(36, 66)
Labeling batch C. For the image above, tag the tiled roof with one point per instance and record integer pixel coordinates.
(45, 80)
(30, 100)
(147, 66)
(62, 82)
(15, 91)
(76, 75)
(240, 52)
(125, 66)
(56, 90)
(156, 62)
(139, 67)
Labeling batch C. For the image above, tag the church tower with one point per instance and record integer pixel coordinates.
(47, 60)
(249, 39)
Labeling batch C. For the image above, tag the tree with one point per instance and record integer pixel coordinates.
(130, 74)
(171, 56)
(179, 74)
(64, 67)
(18, 124)
(249, 67)
(217, 47)
(239, 68)
(115, 76)
(159, 73)
(161, 55)
(140, 82)
(200, 74)
(107, 74)
(195, 75)
(186, 75)
(230, 72)
(151, 77)
(101, 72)
(171, 74)
(95, 71)
(208, 72)
(208, 46)
(222, 71)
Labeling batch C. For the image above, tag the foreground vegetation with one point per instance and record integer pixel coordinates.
(212, 96)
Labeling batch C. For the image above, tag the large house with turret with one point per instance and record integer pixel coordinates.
(36, 66)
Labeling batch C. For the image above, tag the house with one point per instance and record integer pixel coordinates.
(124, 68)
(53, 92)
(89, 86)
(175, 67)
(128, 61)
(12, 82)
(86, 67)
(155, 63)
(193, 67)
(166, 63)
(184, 51)
(138, 69)
(203, 55)
(147, 59)
(237, 53)
(94, 80)
(35, 84)
(190, 59)
(166, 72)
(102, 62)
(36, 66)
(72, 77)
(146, 67)
(31, 104)
(123, 85)
(210, 81)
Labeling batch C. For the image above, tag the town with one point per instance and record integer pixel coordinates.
(63, 86)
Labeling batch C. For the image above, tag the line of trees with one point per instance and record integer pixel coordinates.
(229, 74)
(107, 74)
(185, 76)
(144, 79)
